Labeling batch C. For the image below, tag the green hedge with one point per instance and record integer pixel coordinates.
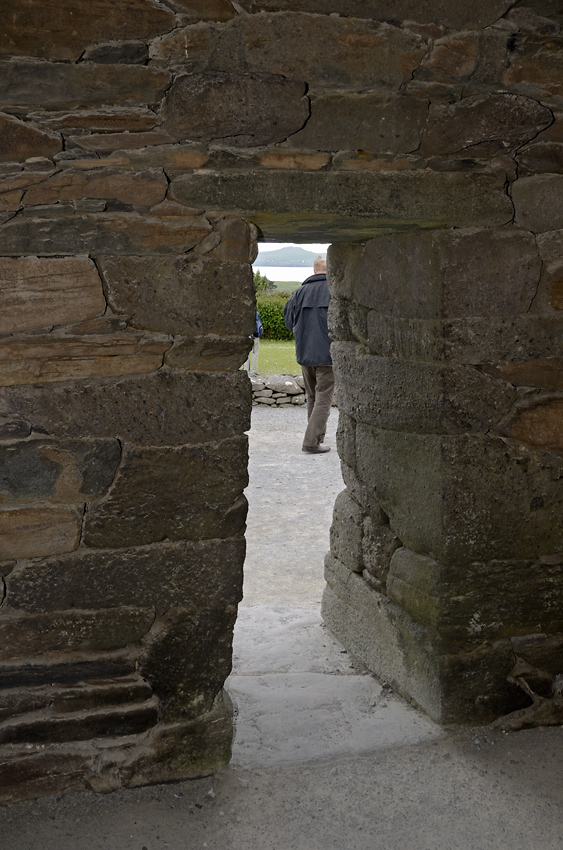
(270, 307)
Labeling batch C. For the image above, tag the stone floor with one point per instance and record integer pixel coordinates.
(325, 756)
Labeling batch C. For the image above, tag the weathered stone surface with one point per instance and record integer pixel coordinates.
(42, 359)
(173, 159)
(453, 57)
(60, 669)
(461, 686)
(363, 54)
(483, 125)
(419, 397)
(543, 374)
(27, 776)
(246, 110)
(451, 274)
(238, 241)
(145, 187)
(187, 656)
(456, 15)
(539, 202)
(379, 542)
(14, 428)
(541, 158)
(285, 384)
(464, 498)
(488, 600)
(106, 692)
(39, 292)
(204, 10)
(37, 531)
(186, 493)
(537, 425)
(294, 160)
(167, 408)
(19, 140)
(104, 142)
(128, 52)
(209, 354)
(189, 574)
(22, 635)
(347, 205)
(346, 532)
(535, 66)
(63, 86)
(102, 233)
(132, 120)
(367, 122)
(173, 294)
(57, 471)
(61, 30)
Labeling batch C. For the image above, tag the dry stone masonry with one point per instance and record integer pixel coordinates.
(278, 390)
(145, 147)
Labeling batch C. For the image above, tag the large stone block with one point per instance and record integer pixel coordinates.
(535, 65)
(421, 398)
(346, 532)
(208, 354)
(477, 341)
(63, 86)
(189, 574)
(61, 29)
(483, 125)
(348, 205)
(457, 15)
(204, 10)
(188, 493)
(19, 141)
(67, 471)
(102, 233)
(452, 685)
(541, 158)
(485, 600)
(538, 202)
(38, 292)
(461, 499)
(43, 359)
(538, 424)
(145, 188)
(168, 408)
(173, 294)
(22, 635)
(378, 545)
(364, 53)
(368, 122)
(473, 272)
(110, 120)
(236, 109)
(37, 531)
(453, 59)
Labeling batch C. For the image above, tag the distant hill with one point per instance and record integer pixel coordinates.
(287, 257)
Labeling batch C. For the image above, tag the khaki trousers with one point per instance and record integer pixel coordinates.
(319, 386)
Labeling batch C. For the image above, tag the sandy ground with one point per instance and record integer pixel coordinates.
(325, 756)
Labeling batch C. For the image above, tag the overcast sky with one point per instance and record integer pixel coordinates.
(273, 246)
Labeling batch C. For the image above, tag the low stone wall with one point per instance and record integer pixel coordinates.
(278, 390)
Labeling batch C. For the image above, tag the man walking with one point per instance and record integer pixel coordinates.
(306, 315)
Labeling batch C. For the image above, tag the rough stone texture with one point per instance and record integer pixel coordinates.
(145, 188)
(36, 292)
(538, 425)
(340, 204)
(19, 140)
(128, 52)
(35, 531)
(209, 353)
(338, 122)
(534, 67)
(102, 233)
(483, 125)
(72, 631)
(49, 30)
(57, 471)
(539, 202)
(193, 493)
(456, 15)
(184, 573)
(247, 110)
(170, 408)
(541, 158)
(102, 120)
(42, 359)
(63, 86)
(172, 294)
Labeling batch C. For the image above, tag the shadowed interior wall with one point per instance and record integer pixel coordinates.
(145, 146)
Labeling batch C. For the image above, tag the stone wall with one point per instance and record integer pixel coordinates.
(144, 147)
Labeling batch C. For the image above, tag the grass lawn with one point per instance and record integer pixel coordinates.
(277, 357)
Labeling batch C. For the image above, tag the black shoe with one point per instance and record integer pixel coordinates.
(315, 450)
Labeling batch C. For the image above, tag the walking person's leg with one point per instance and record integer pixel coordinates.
(310, 381)
(320, 409)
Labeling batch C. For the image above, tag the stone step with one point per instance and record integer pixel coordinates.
(48, 727)
(64, 669)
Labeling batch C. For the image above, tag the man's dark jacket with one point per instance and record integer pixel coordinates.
(306, 315)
